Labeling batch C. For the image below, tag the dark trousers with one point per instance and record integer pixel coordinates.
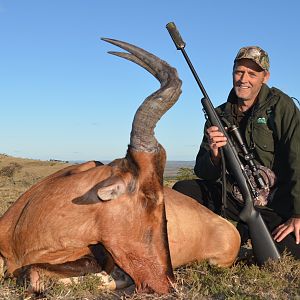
(209, 194)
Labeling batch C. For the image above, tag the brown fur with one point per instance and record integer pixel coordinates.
(196, 234)
(44, 226)
(59, 218)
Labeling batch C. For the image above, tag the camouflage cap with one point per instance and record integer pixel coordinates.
(256, 54)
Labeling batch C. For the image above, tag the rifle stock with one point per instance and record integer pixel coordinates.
(264, 247)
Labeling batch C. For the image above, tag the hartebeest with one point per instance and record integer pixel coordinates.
(61, 225)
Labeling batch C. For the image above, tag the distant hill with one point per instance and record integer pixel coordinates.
(18, 174)
(172, 167)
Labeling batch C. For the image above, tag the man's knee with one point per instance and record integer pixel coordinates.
(189, 188)
(182, 186)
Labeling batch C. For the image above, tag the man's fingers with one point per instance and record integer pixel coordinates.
(291, 225)
(297, 234)
(220, 144)
(217, 139)
(283, 230)
(216, 134)
(282, 233)
(216, 145)
(212, 129)
(278, 231)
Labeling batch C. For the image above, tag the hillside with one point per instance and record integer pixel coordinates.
(18, 174)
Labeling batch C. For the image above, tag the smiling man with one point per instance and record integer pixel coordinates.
(269, 123)
(248, 78)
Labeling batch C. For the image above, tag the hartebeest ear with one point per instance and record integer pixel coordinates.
(111, 188)
(108, 189)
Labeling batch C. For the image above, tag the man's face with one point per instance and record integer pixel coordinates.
(248, 79)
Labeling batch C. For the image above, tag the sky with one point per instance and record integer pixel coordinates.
(63, 97)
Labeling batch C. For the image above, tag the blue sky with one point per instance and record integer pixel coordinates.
(63, 97)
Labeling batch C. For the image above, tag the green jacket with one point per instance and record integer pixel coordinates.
(274, 129)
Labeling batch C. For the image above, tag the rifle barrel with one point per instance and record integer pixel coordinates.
(264, 247)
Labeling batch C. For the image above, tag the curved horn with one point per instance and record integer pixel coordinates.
(154, 106)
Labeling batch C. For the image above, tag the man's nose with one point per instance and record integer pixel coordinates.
(244, 77)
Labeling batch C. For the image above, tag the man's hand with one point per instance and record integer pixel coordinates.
(216, 139)
(291, 225)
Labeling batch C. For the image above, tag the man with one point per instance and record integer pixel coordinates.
(269, 123)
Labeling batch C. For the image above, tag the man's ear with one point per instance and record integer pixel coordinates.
(266, 77)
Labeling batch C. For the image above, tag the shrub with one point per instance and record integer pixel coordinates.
(185, 173)
(10, 170)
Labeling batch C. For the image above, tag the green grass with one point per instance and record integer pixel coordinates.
(244, 280)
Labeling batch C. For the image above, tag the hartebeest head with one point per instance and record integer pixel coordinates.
(139, 176)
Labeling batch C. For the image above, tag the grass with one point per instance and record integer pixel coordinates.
(276, 280)
(244, 280)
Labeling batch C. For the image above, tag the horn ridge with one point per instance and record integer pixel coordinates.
(154, 106)
(156, 63)
(134, 59)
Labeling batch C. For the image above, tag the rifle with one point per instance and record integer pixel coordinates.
(263, 245)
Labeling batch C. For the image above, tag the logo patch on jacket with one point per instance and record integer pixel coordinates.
(261, 120)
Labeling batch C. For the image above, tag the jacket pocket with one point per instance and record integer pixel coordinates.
(263, 138)
(264, 144)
